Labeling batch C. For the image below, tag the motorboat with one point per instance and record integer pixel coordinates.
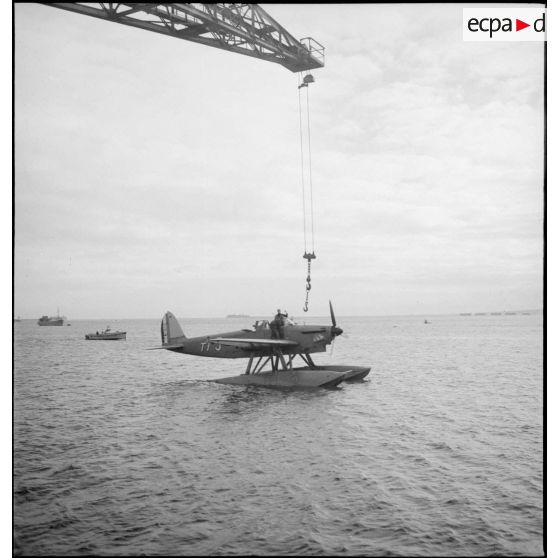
(106, 335)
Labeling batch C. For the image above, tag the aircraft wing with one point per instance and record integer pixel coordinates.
(244, 342)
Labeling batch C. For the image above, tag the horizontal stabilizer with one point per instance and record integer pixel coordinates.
(174, 346)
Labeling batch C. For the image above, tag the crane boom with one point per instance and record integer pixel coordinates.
(242, 28)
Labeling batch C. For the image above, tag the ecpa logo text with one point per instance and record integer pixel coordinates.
(493, 25)
(504, 24)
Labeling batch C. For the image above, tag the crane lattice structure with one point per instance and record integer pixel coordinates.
(241, 28)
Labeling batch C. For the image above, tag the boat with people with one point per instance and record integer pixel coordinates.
(106, 335)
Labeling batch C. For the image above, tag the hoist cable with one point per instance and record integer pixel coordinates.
(310, 167)
(302, 167)
(309, 256)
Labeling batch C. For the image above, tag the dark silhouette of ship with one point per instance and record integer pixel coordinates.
(57, 320)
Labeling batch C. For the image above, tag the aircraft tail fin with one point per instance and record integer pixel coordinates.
(171, 332)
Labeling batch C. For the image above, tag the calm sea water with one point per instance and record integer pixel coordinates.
(439, 452)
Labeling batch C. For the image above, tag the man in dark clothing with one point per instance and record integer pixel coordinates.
(277, 325)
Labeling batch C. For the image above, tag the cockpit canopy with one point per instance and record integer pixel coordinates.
(264, 324)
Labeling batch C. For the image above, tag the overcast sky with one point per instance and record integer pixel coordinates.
(155, 174)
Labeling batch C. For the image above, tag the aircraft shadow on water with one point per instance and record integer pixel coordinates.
(270, 347)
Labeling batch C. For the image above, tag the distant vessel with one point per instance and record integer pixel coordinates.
(52, 320)
(18, 319)
(238, 316)
(106, 335)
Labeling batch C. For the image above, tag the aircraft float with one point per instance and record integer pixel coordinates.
(270, 348)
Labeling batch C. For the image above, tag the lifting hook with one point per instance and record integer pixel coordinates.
(308, 256)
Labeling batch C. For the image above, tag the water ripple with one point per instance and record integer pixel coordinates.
(121, 451)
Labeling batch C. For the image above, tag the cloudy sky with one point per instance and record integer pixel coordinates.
(154, 174)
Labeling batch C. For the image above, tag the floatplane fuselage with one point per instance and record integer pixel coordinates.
(271, 348)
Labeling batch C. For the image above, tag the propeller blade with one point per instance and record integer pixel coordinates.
(334, 329)
(333, 322)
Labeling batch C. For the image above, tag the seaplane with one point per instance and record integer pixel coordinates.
(271, 347)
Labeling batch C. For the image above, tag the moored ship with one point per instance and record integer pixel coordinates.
(51, 320)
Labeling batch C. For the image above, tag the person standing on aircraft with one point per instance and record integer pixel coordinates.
(277, 325)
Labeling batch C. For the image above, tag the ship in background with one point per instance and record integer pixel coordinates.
(57, 320)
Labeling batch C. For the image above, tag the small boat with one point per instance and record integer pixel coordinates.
(106, 335)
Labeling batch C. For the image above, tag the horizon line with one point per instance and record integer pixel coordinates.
(264, 316)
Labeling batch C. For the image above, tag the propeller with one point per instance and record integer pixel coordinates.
(334, 329)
